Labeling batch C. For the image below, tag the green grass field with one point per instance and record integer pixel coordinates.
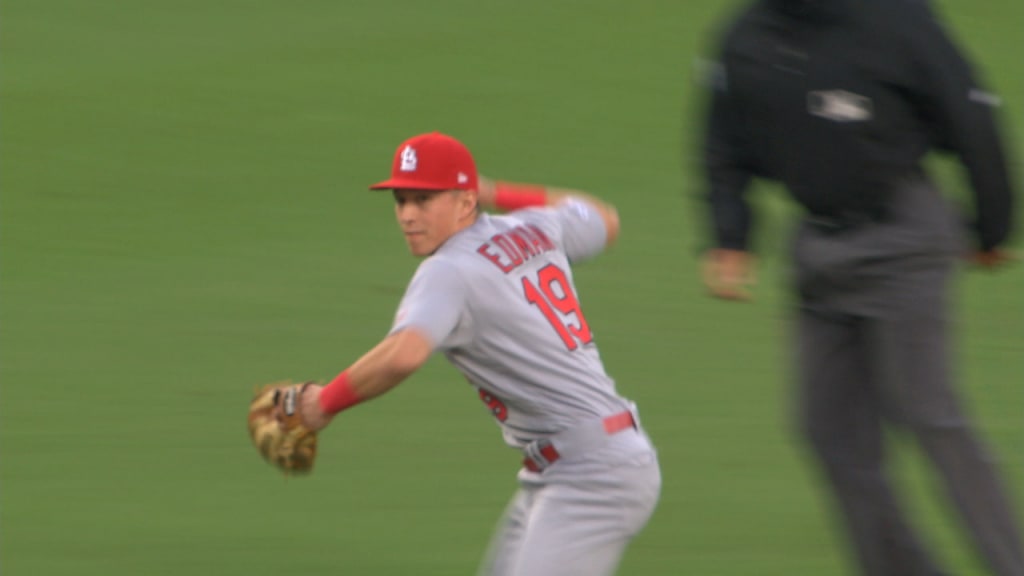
(183, 215)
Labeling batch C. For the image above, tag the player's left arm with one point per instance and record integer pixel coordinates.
(385, 366)
(964, 118)
(428, 319)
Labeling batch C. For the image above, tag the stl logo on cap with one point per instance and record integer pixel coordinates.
(409, 159)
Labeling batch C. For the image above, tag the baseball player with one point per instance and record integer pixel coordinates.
(496, 295)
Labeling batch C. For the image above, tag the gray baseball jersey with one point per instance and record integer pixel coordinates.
(498, 299)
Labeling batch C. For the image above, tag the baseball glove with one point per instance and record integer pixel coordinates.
(276, 428)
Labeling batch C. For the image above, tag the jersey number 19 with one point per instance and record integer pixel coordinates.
(553, 295)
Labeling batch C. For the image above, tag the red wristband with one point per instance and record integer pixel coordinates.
(510, 197)
(338, 395)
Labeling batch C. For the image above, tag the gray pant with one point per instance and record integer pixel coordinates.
(577, 517)
(872, 348)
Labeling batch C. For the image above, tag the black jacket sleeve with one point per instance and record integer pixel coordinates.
(961, 114)
(726, 170)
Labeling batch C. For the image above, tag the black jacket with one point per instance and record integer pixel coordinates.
(840, 100)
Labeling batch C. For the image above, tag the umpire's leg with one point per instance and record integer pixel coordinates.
(911, 343)
(839, 413)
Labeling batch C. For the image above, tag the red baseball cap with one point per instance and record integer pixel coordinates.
(431, 161)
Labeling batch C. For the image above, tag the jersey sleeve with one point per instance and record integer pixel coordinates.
(575, 225)
(434, 304)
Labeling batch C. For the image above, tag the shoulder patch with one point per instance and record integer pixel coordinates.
(582, 209)
(710, 74)
(986, 98)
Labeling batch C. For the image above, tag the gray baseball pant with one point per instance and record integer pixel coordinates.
(575, 519)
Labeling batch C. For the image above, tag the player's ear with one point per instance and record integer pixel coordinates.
(467, 201)
(474, 197)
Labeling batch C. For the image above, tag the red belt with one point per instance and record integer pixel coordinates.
(612, 425)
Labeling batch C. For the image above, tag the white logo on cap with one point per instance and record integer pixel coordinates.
(463, 178)
(408, 159)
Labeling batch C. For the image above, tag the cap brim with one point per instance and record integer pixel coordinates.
(408, 184)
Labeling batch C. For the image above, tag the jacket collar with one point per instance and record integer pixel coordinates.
(810, 10)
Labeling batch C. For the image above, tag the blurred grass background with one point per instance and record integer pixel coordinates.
(183, 215)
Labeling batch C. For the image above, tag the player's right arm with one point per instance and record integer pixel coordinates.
(509, 196)
(728, 267)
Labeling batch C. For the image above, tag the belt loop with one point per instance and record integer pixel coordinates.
(535, 453)
(543, 452)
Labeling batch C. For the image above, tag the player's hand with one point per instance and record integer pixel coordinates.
(994, 258)
(729, 274)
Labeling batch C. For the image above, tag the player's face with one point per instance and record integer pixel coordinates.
(428, 218)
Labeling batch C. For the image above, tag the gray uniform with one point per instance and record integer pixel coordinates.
(498, 299)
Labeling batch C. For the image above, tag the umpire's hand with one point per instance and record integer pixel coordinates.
(728, 274)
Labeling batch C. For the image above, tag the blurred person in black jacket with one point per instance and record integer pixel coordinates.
(840, 101)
